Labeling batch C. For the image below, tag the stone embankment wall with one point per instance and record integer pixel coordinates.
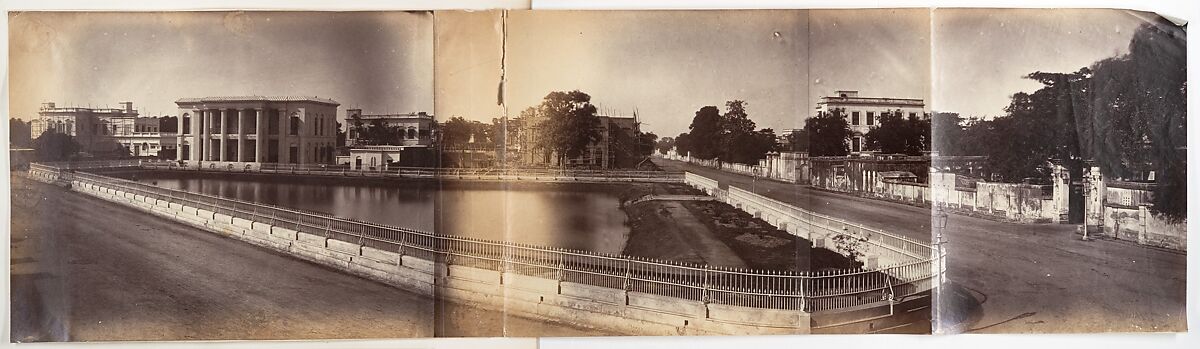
(905, 260)
(546, 298)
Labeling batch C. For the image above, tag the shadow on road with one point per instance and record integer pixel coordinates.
(960, 309)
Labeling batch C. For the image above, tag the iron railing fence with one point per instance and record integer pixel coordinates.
(422, 172)
(804, 291)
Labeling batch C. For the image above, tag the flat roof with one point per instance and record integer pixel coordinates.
(314, 99)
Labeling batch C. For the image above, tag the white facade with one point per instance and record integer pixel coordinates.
(863, 113)
(105, 130)
(228, 131)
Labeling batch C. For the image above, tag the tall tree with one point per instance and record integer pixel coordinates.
(738, 140)
(829, 134)
(456, 131)
(706, 133)
(55, 146)
(18, 133)
(896, 134)
(947, 133)
(798, 140)
(569, 124)
(665, 145)
(340, 135)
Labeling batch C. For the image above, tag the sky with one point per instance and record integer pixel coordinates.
(980, 56)
(381, 62)
(878, 52)
(664, 65)
(667, 65)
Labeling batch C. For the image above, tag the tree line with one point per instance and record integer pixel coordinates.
(729, 137)
(561, 127)
(1126, 114)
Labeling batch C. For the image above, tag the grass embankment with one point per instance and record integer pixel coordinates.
(757, 243)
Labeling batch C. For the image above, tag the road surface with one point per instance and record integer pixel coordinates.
(85, 269)
(1020, 277)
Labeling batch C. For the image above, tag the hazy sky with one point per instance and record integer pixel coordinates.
(667, 65)
(981, 55)
(878, 52)
(469, 48)
(381, 62)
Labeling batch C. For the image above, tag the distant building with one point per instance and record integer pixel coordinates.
(240, 131)
(105, 131)
(417, 128)
(411, 146)
(598, 154)
(862, 113)
(783, 140)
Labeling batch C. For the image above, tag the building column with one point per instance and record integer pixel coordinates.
(206, 150)
(224, 129)
(284, 129)
(241, 134)
(260, 139)
(178, 140)
(193, 148)
(300, 140)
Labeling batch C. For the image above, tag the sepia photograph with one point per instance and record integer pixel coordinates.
(176, 176)
(1059, 175)
(322, 175)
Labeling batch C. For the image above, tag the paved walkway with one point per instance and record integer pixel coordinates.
(1026, 277)
(697, 236)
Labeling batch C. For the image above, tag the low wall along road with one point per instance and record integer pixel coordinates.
(615, 293)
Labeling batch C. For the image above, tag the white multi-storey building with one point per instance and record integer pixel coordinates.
(863, 113)
(240, 131)
(105, 131)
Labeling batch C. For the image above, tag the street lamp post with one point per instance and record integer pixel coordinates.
(940, 219)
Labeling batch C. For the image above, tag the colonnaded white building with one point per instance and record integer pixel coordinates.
(248, 131)
(865, 112)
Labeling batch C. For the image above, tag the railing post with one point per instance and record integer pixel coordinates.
(400, 250)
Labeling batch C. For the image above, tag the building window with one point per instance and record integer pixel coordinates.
(854, 118)
(912, 115)
(294, 126)
(856, 144)
(870, 118)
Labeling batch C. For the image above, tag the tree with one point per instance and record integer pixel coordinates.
(665, 145)
(896, 134)
(829, 134)
(739, 141)
(456, 131)
(340, 135)
(798, 140)
(683, 144)
(705, 135)
(646, 143)
(569, 124)
(18, 133)
(947, 134)
(54, 146)
(1133, 113)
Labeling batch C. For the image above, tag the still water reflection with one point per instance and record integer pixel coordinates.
(576, 216)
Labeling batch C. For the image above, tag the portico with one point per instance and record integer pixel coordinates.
(229, 131)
